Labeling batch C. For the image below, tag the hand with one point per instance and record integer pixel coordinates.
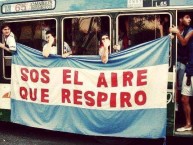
(46, 52)
(174, 29)
(65, 54)
(117, 47)
(51, 40)
(171, 36)
(2, 45)
(106, 43)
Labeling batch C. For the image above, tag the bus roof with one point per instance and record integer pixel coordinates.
(23, 7)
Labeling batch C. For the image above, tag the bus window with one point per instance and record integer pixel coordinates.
(136, 29)
(32, 33)
(82, 33)
(29, 33)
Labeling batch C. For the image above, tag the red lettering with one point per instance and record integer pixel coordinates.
(76, 82)
(45, 76)
(65, 96)
(23, 93)
(34, 75)
(33, 94)
(140, 98)
(44, 95)
(141, 75)
(125, 99)
(66, 76)
(113, 100)
(24, 77)
(77, 97)
(127, 78)
(114, 80)
(102, 97)
(102, 80)
(88, 96)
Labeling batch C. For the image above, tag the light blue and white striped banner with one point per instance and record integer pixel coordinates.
(124, 98)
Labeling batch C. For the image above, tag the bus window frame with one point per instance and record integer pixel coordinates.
(85, 16)
(139, 14)
(24, 20)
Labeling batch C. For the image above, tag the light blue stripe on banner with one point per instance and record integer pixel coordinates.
(147, 54)
(148, 123)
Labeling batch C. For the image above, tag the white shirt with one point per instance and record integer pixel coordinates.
(67, 47)
(10, 41)
(53, 49)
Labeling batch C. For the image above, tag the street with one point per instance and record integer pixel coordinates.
(14, 134)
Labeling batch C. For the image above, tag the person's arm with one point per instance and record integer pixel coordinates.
(66, 54)
(46, 50)
(47, 47)
(66, 51)
(105, 55)
(104, 52)
(183, 40)
(11, 44)
(2, 45)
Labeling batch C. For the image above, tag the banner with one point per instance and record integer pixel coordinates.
(126, 97)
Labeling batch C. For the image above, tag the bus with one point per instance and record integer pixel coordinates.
(128, 22)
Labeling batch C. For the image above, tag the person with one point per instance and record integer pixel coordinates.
(123, 40)
(9, 43)
(123, 32)
(163, 24)
(104, 47)
(50, 46)
(187, 83)
(182, 56)
(67, 50)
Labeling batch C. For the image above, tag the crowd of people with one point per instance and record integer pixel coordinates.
(9, 44)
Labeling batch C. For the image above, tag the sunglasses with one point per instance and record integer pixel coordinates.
(103, 38)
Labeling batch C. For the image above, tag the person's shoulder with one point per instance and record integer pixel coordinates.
(190, 29)
(66, 44)
(45, 45)
(11, 35)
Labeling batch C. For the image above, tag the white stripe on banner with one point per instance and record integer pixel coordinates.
(132, 89)
(125, 97)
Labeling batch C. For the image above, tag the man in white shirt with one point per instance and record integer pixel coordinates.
(9, 43)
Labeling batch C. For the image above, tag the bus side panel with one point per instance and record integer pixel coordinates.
(5, 115)
(170, 106)
(5, 111)
(170, 116)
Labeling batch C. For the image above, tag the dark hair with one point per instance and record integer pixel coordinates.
(51, 32)
(103, 34)
(5, 25)
(182, 14)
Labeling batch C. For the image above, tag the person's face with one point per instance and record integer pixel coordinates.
(186, 20)
(6, 31)
(104, 38)
(48, 37)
